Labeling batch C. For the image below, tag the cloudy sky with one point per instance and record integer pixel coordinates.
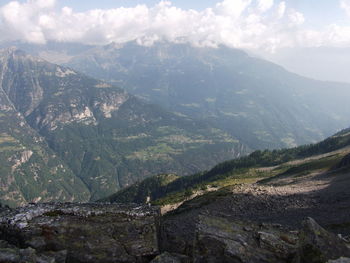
(251, 24)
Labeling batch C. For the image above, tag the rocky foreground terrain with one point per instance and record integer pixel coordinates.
(278, 207)
(79, 233)
(106, 233)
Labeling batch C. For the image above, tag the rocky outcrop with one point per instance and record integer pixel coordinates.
(109, 102)
(318, 245)
(25, 156)
(106, 233)
(79, 233)
(220, 239)
(171, 258)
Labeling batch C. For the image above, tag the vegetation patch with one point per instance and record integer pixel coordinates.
(159, 151)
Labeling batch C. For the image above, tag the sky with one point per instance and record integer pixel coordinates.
(260, 25)
(318, 12)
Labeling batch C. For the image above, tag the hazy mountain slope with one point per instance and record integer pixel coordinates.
(255, 100)
(169, 189)
(107, 137)
(29, 170)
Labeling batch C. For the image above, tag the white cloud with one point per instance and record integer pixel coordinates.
(281, 9)
(232, 8)
(43, 3)
(20, 21)
(333, 35)
(264, 5)
(345, 4)
(296, 18)
(252, 24)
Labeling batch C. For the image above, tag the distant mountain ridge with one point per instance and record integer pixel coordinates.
(258, 102)
(92, 138)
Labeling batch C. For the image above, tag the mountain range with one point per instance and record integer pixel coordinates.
(258, 102)
(67, 136)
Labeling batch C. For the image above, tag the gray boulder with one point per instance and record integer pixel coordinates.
(12, 254)
(171, 258)
(318, 245)
(222, 240)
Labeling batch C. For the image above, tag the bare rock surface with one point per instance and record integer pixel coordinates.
(80, 233)
(112, 233)
(167, 257)
(221, 240)
(318, 245)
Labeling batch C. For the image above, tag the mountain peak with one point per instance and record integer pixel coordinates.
(15, 53)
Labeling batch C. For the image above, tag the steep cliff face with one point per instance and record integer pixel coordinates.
(104, 136)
